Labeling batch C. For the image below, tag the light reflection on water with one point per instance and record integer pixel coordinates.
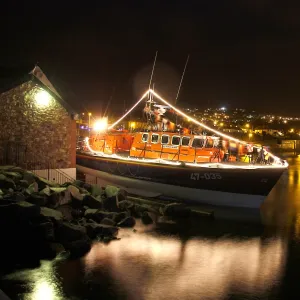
(282, 207)
(150, 266)
(42, 283)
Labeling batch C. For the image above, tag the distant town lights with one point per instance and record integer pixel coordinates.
(42, 98)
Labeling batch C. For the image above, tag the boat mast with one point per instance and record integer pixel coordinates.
(176, 99)
(150, 99)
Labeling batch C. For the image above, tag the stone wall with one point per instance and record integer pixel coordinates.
(35, 130)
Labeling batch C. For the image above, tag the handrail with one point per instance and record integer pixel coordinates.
(65, 175)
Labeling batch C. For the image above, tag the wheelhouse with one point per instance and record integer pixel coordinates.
(176, 147)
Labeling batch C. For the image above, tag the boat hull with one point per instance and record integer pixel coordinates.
(217, 186)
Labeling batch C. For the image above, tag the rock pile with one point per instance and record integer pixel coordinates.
(40, 219)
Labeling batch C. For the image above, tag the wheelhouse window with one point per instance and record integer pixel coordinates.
(176, 140)
(209, 143)
(165, 139)
(155, 138)
(185, 141)
(198, 143)
(145, 137)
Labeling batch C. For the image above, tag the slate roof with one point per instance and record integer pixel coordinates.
(11, 77)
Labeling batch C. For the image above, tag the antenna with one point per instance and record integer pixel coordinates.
(110, 98)
(187, 60)
(152, 70)
(181, 79)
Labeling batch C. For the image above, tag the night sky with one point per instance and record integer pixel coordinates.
(243, 53)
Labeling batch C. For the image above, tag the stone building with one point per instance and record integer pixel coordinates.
(37, 127)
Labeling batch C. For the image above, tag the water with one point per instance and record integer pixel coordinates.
(224, 259)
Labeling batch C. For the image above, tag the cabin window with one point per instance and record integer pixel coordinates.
(175, 140)
(185, 141)
(209, 143)
(165, 139)
(217, 142)
(145, 137)
(154, 138)
(198, 143)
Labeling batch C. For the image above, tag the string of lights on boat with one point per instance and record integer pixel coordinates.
(277, 161)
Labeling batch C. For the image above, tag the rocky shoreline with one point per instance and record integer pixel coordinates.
(42, 220)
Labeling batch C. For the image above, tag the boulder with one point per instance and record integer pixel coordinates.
(122, 195)
(67, 232)
(52, 213)
(42, 183)
(107, 221)
(75, 196)
(77, 213)
(91, 201)
(94, 230)
(33, 188)
(97, 215)
(78, 183)
(37, 199)
(111, 191)
(58, 196)
(29, 177)
(13, 175)
(146, 218)
(78, 248)
(96, 190)
(24, 183)
(17, 196)
(66, 211)
(6, 182)
(110, 203)
(21, 210)
(118, 217)
(125, 205)
(87, 187)
(138, 210)
(57, 248)
(46, 231)
(127, 222)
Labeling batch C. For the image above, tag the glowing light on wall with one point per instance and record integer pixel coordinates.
(42, 98)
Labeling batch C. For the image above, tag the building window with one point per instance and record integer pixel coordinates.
(185, 141)
(165, 139)
(198, 143)
(176, 140)
(155, 138)
(145, 137)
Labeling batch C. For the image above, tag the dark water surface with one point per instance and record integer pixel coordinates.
(205, 259)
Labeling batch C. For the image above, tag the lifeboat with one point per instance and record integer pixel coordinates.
(217, 170)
